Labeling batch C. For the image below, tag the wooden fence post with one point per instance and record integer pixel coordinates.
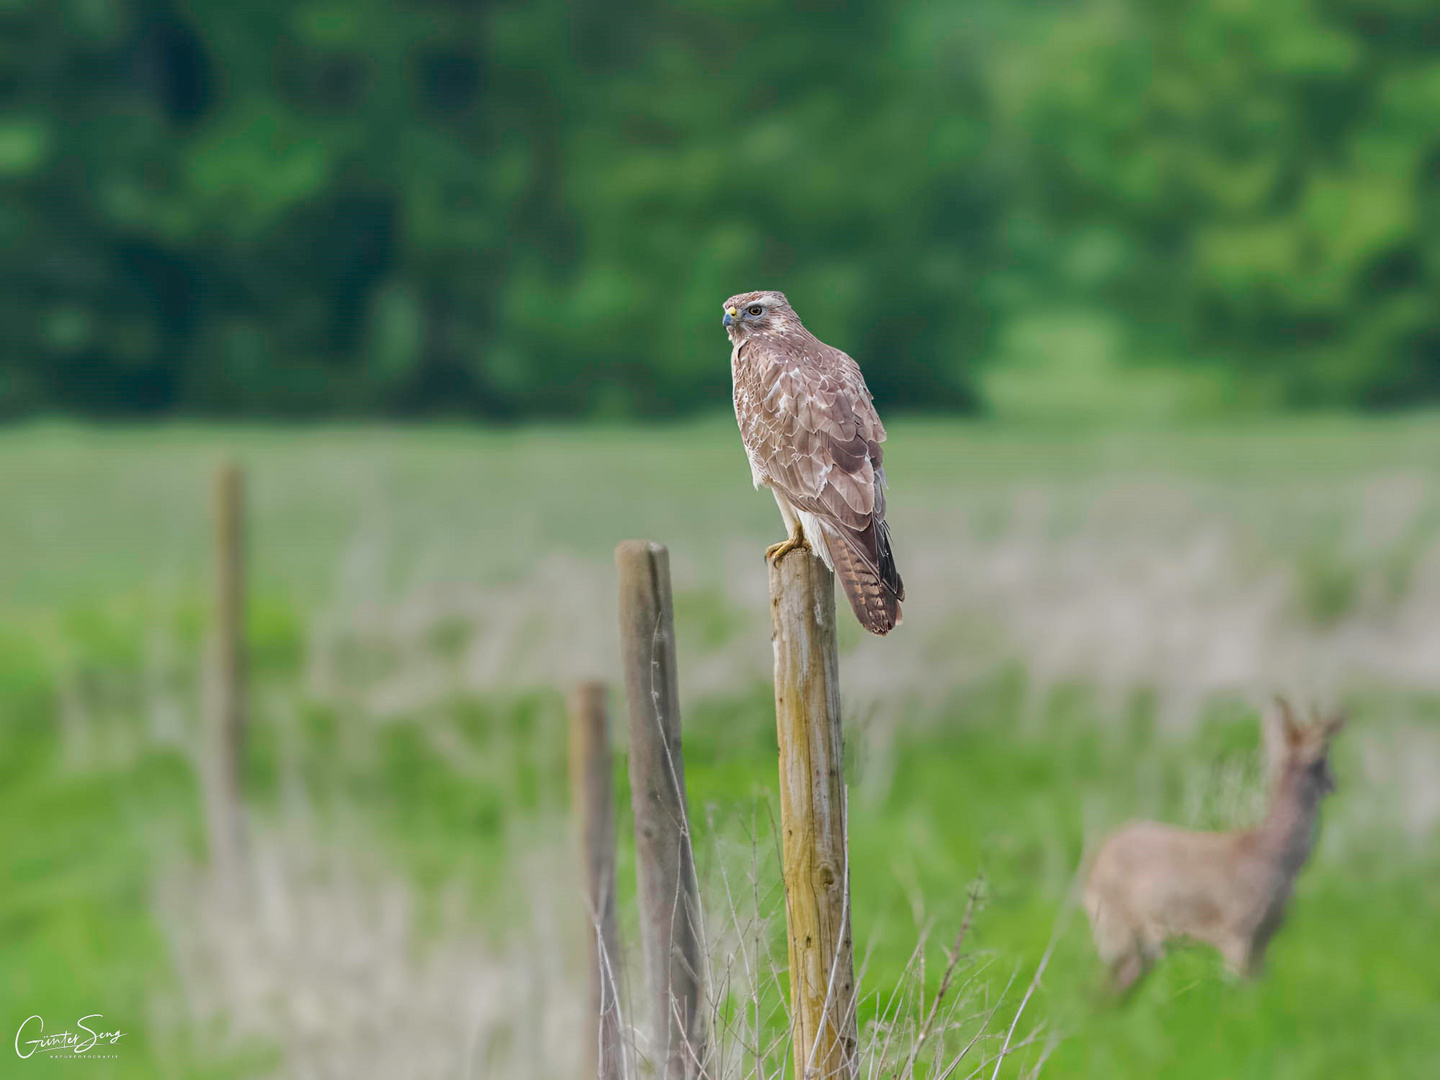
(592, 806)
(669, 911)
(812, 816)
(224, 679)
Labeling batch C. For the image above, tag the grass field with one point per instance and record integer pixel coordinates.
(1094, 617)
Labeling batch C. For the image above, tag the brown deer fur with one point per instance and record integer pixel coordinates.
(1152, 883)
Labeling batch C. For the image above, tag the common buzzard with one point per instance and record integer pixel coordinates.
(813, 437)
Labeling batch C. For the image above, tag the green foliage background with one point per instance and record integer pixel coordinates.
(508, 209)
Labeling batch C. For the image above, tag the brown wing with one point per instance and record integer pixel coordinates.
(810, 426)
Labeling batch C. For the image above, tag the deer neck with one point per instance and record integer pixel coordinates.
(1288, 831)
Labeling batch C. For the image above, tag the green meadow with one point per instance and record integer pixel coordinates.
(1094, 618)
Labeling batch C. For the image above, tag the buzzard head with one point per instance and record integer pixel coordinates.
(758, 312)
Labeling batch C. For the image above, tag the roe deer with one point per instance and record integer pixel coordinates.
(1152, 883)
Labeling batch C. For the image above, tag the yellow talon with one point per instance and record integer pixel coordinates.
(780, 550)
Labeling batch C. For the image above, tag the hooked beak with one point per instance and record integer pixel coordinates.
(730, 315)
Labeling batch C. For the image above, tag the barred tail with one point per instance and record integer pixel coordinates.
(874, 595)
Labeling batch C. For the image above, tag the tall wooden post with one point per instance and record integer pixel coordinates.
(592, 806)
(224, 679)
(812, 816)
(669, 911)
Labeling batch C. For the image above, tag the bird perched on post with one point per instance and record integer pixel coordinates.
(813, 437)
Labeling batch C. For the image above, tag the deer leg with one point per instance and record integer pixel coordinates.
(1240, 959)
(1254, 962)
(1126, 972)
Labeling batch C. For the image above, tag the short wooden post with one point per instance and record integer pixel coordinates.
(592, 807)
(812, 816)
(224, 679)
(669, 911)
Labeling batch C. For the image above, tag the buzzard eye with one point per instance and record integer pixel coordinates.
(755, 309)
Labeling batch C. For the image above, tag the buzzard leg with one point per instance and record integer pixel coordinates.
(780, 550)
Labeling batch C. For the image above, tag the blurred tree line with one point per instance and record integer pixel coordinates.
(281, 207)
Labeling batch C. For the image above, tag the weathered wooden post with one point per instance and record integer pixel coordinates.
(669, 911)
(224, 680)
(592, 806)
(812, 816)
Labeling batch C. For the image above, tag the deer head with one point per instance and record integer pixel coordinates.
(1301, 751)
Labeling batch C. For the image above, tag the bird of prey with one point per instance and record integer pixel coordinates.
(813, 437)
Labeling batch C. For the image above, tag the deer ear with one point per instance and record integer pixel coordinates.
(1334, 724)
(1281, 730)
